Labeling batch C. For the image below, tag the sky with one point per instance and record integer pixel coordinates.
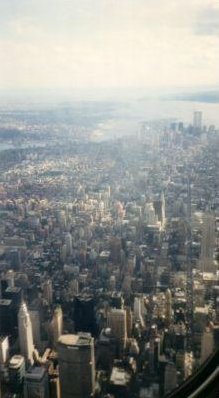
(105, 44)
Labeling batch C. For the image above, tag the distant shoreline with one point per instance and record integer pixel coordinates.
(204, 97)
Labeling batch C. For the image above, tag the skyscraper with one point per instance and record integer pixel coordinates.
(4, 355)
(116, 321)
(4, 349)
(57, 324)
(159, 208)
(16, 374)
(14, 294)
(207, 243)
(6, 321)
(207, 344)
(197, 120)
(84, 314)
(47, 291)
(25, 333)
(76, 365)
(35, 321)
(168, 309)
(138, 306)
(68, 242)
(170, 377)
(36, 384)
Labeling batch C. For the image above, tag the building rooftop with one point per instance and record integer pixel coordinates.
(13, 289)
(119, 377)
(80, 339)
(3, 338)
(35, 374)
(16, 361)
(5, 302)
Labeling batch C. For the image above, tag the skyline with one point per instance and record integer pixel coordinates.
(101, 45)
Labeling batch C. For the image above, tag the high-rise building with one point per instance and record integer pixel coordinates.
(57, 324)
(159, 208)
(106, 349)
(4, 356)
(117, 300)
(9, 277)
(36, 383)
(54, 386)
(61, 218)
(207, 243)
(138, 309)
(119, 383)
(4, 349)
(207, 344)
(170, 377)
(68, 242)
(16, 374)
(84, 315)
(25, 333)
(14, 294)
(15, 259)
(47, 291)
(168, 307)
(129, 321)
(3, 286)
(116, 320)
(197, 120)
(6, 321)
(76, 365)
(35, 321)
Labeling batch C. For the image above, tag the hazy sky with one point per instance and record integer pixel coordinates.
(108, 43)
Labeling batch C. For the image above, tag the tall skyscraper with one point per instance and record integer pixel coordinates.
(197, 120)
(138, 306)
(36, 383)
(68, 242)
(47, 291)
(57, 324)
(25, 333)
(54, 386)
(4, 356)
(207, 243)
(159, 208)
(168, 307)
(170, 378)
(116, 321)
(14, 294)
(84, 314)
(9, 277)
(207, 344)
(16, 374)
(35, 321)
(4, 349)
(76, 365)
(6, 320)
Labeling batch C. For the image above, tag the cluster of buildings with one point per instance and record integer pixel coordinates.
(109, 264)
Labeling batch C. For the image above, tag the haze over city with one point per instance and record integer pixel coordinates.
(109, 199)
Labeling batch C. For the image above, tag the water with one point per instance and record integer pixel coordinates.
(126, 119)
(5, 146)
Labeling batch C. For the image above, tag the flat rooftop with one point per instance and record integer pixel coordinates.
(5, 302)
(119, 377)
(35, 374)
(80, 339)
(16, 361)
(3, 338)
(13, 289)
